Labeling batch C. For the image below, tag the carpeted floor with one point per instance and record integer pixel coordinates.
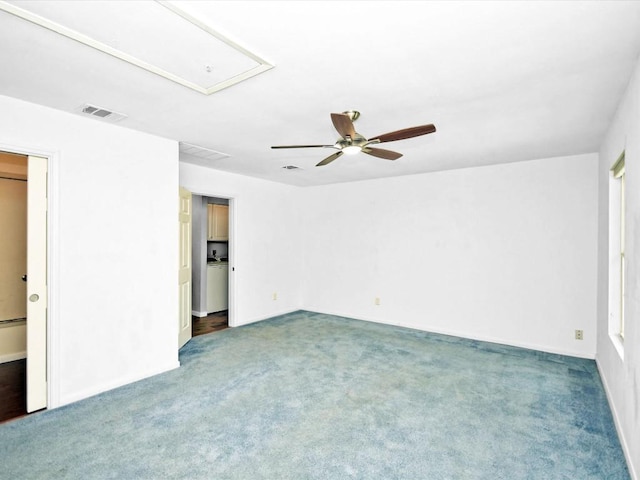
(311, 396)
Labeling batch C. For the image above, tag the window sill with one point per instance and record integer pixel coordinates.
(618, 344)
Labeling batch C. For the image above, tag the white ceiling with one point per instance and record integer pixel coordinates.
(502, 81)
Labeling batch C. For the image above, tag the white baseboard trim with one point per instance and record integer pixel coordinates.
(120, 382)
(266, 317)
(616, 421)
(195, 313)
(459, 334)
(12, 357)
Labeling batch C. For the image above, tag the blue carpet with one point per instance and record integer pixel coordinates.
(311, 396)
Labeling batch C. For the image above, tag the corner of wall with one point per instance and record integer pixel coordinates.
(620, 376)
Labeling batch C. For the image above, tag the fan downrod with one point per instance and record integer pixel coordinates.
(352, 114)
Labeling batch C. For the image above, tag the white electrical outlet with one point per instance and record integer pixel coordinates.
(377, 301)
(579, 335)
(275, 295)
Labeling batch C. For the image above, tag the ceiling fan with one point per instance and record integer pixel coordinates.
(351, 142)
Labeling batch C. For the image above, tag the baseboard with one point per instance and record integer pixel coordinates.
(198, 314)
(121, 382)
(616, 422)
(459, 334)
(12, 357)
(528, 346)
(266, 317)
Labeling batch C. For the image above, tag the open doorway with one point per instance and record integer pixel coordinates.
(210, 264)
(23, 284)
(13, 287)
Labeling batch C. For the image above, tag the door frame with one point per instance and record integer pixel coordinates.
(53, 259)
(185, 276)
(233, 205)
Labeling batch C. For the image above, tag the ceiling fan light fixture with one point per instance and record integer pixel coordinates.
(351, 142)
(352, 150)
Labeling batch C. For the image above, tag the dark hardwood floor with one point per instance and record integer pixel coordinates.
(13, 390)
(211, 323)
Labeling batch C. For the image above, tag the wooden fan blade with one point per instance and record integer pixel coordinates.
(404, 133)
(343, 125)
(329, 159)
(304, 146)
(381, 153)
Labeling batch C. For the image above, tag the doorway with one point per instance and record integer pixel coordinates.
(23, 284)
(13, 290)
(211, 259)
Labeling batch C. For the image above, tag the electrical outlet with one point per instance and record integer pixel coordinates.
(275, 296)
(377, 301)
(579, 335)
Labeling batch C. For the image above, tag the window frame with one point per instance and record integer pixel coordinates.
(618, 174)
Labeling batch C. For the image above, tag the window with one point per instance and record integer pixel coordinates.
(617, 250)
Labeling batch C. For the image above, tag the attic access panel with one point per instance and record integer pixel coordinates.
(154, 35)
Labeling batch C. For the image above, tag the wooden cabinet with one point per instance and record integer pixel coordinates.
(217, 222)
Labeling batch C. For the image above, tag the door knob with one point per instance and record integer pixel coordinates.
(34, 297)
(24, 278)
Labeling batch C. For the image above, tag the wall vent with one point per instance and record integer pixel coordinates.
(100, 112)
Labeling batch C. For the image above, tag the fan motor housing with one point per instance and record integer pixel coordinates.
(357, 141)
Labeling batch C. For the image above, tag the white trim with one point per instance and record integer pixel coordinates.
(53, 258)
(615, 273)
(120, 382)
(451, 333)
(617, 343)
(271, 315)
(263, 64)
(233, 205)
(465, 335)
(232, 319)
(93, 43)
(195, 313)
(12, 357)
(616, 422)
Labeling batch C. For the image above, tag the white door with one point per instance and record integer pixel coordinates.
(184, 269)
(37, 284)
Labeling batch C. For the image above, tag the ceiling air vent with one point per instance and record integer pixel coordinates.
(207, 154)
(100, 112)
(291, 167)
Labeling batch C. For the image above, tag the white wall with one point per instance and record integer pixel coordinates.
(115, 306)
(13, 249)
(199, 256)
(13, 341)
(503, 253)
(622, 377)
(265, 235)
